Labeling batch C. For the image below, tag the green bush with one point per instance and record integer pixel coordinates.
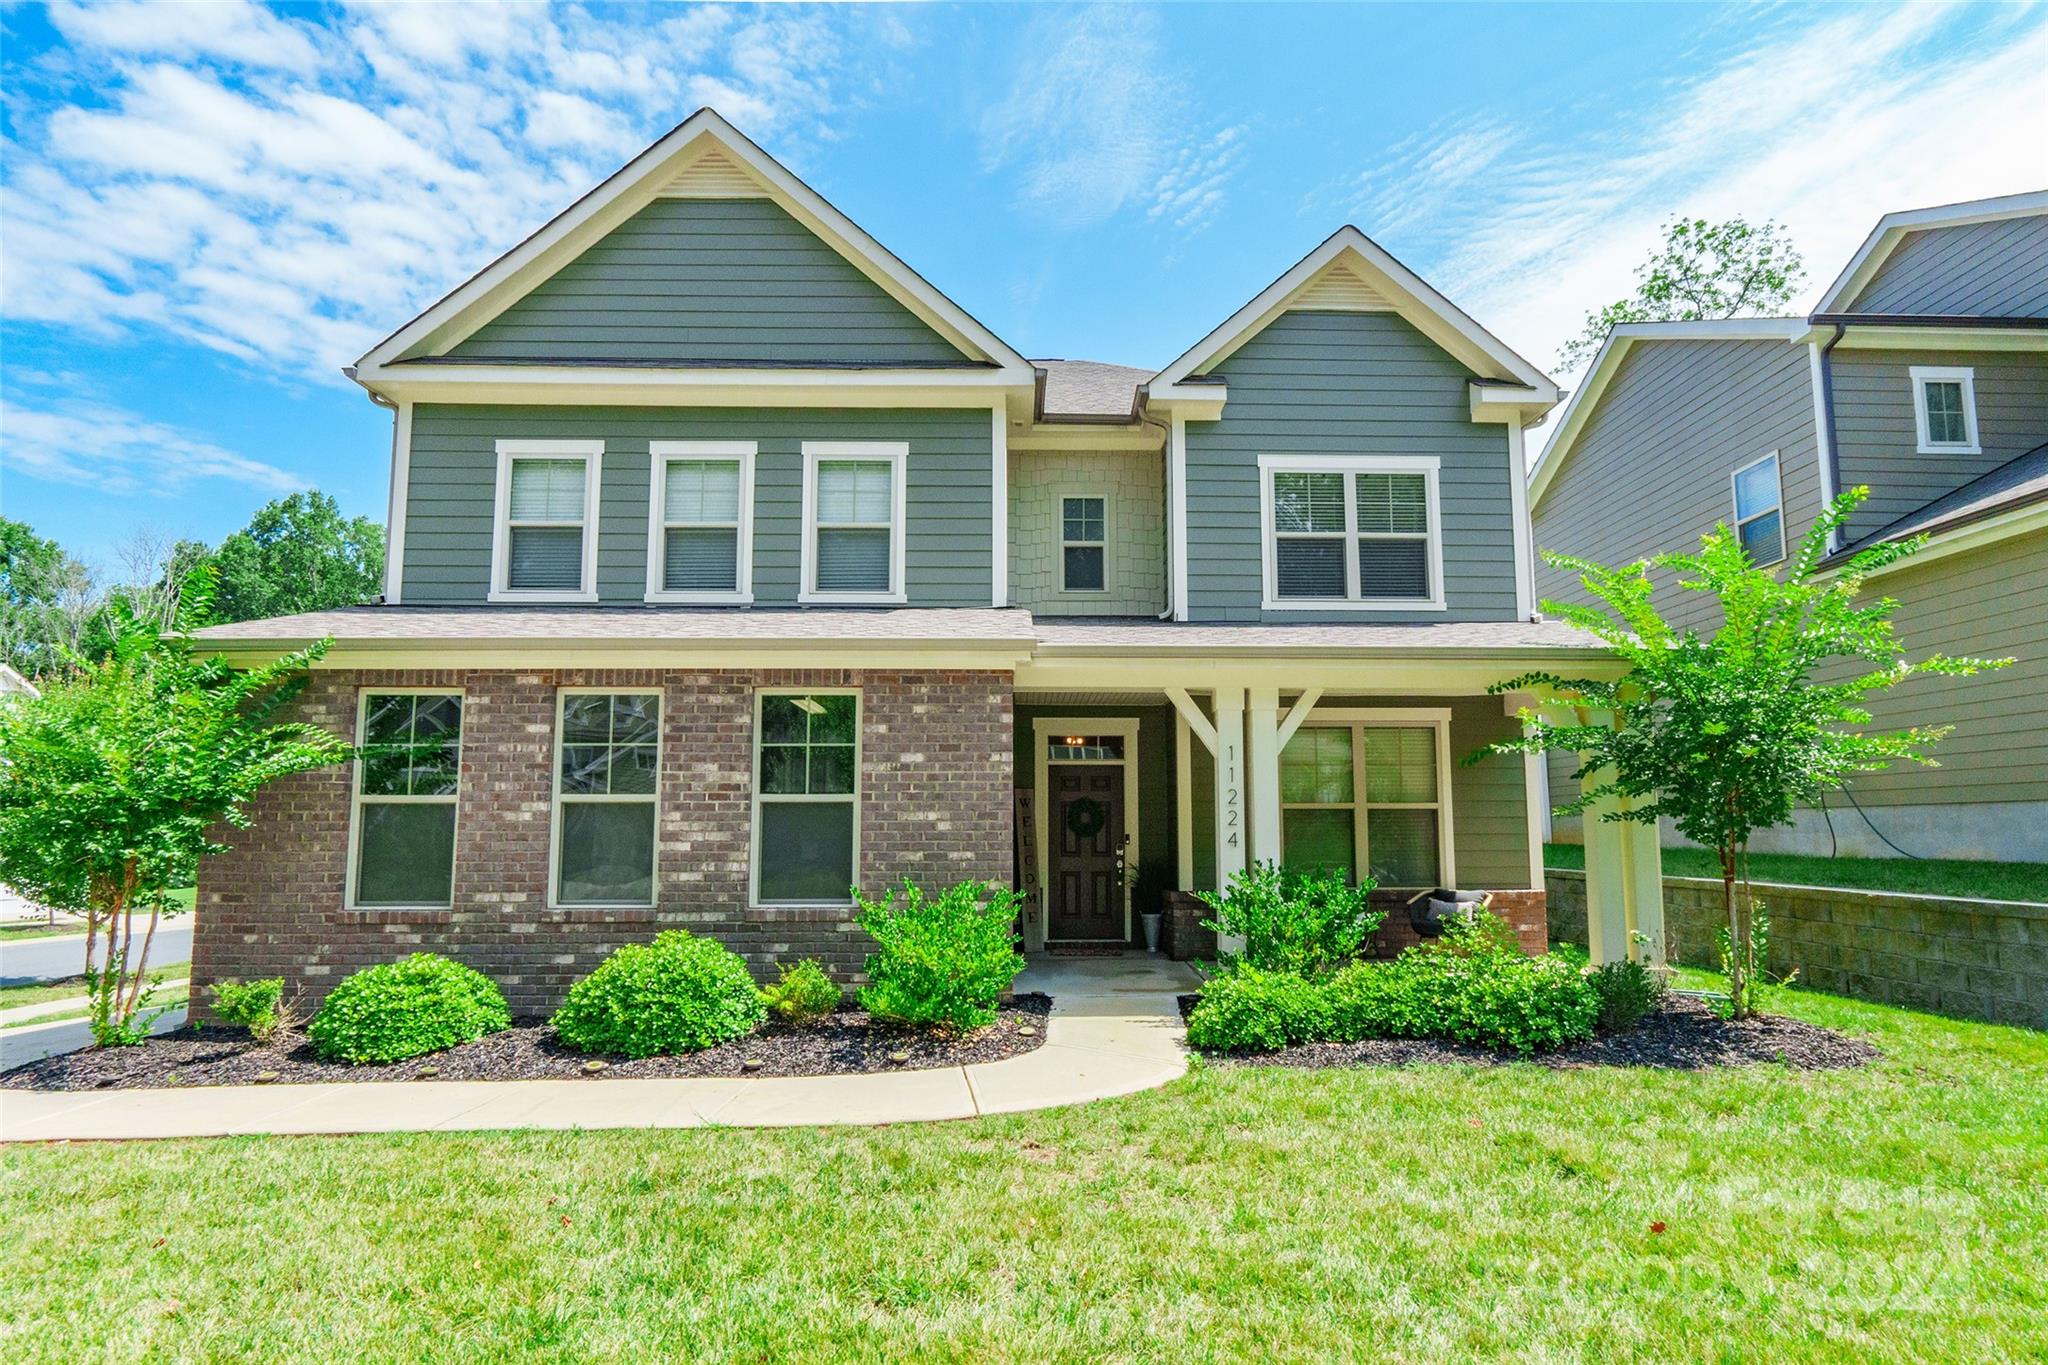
(407, 1008)
(1253, 1010)
(1525, 1005)
(680, 993)
(942, 961)
(1308, 923)
(252, 1005)
(802, 994)
(1627, 991)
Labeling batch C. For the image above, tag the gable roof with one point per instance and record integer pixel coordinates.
(1089, 391)
(1894, 228)
(703, 155)
(1350, 270)
(2017, 483)
(1587, 397)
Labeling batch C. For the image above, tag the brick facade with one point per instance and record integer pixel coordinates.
(936, 783)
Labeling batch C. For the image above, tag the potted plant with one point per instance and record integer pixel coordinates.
(1148, 888)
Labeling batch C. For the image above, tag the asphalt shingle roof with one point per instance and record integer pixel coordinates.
(1091, 388)
(2013, 484)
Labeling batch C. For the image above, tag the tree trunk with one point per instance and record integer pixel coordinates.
(1738, 936)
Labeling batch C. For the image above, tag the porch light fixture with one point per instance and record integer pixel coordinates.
(808, 705)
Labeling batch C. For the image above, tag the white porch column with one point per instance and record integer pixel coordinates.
(1624, 885)
(1230, 796)
(1262, 741)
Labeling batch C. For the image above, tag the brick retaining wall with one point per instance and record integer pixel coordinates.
(1975, 958)
(935, 806)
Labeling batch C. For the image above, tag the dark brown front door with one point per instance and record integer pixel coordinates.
(1087, 892)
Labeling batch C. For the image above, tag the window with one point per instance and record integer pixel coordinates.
(545, 542)
(1084, 544)
(700, 521)
(806, 797)
(1945, 410)
(1759, 510)
(1085, 749)
(1351, 533)
(407, 782)
(1366, 794)
(853, 521)
(607, 770)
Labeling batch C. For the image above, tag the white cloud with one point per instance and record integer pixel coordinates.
(1823, 126)
(1192, 191)
(117, 452)
(287, 192)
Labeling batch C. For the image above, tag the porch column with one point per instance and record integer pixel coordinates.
(1624, 885)
(1262, 722)
(1230, 802)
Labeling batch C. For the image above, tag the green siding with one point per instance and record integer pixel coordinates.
(1328, 383)
(450, 492)
(1995, 269)
(696, 281)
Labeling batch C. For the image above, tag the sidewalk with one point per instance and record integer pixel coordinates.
(1115, 1028)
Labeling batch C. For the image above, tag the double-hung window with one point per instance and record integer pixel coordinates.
(406, 786)
(700, 533)
(544, 542)
(1367, 792)
(1760, 511)
(853, 521)
(1084, 544)
(1351, 533)
(806, 797)
(607, 771)
(1945, 410)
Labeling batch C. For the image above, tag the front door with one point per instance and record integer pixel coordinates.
(1086, 897)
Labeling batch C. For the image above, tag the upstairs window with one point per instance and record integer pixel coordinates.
(1759, 510)
(853, 521)
(406, 785)
(1359, 533)
(700, 540)
(1084, 544)
(1945, 410)
(545, 540)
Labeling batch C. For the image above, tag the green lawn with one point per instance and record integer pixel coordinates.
(1439, 1213)
(11, 933)
(1935, 876)
(11, 996)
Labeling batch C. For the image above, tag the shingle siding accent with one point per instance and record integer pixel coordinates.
(1134, 484)
(936, 791)
(708, 280)
(1995, 269)
(1878, 441)
(1345, 383)
(453, 475)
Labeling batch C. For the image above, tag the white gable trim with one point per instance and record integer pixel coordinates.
(1894, 227)
(646, 177)
(1403, 291)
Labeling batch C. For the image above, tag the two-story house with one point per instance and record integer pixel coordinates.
(733, 565)
(1923, 376)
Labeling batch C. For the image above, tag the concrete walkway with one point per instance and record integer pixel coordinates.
(1115, 1028)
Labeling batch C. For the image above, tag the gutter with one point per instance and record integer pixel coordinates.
(1839, 320)
(1827, 423)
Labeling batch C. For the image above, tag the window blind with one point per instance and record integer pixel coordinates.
(547, 490)
(702, 491)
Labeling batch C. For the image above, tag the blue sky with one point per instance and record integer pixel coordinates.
(209, 209)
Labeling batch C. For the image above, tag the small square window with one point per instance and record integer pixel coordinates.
(1945, 410)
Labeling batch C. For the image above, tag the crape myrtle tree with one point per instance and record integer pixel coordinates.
(111, 780)
(1729, 733)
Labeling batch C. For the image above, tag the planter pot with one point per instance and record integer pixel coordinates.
(1151, 919)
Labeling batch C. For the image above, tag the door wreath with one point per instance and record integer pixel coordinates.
(1086, 817)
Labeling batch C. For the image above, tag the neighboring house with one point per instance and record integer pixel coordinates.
(732, 564)
(1922, 375)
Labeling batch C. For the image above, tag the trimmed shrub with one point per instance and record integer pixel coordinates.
(941, 961)
(1306, 923)
(251, 1005)
(802, 994)
(1526, 1005)
(408, 1008)
(1253, 1010)
(680, 993)
(1628, 991)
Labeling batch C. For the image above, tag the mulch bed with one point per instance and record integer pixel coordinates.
(846, 1043)
(1683, 1034)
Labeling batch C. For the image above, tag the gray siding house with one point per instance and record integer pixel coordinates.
(734, 566)
(1923, 376)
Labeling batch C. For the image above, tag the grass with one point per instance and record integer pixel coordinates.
(182, 897)
(1436, 1213)
(1932, 876)
(12, 996)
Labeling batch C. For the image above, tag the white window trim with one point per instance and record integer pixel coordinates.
(897, 453)
(1059, 512)
(660, 453)
(1429, 466)
(1777, 505)
(754, 833)
(592, 455)
(1407, 718)
(556, 798)
(356, 797)
(1946, 374)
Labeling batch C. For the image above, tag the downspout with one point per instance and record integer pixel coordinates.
(1827, 420)
(1165, 456)
(391, 498)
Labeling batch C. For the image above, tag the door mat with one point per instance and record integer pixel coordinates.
(1088, 950)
